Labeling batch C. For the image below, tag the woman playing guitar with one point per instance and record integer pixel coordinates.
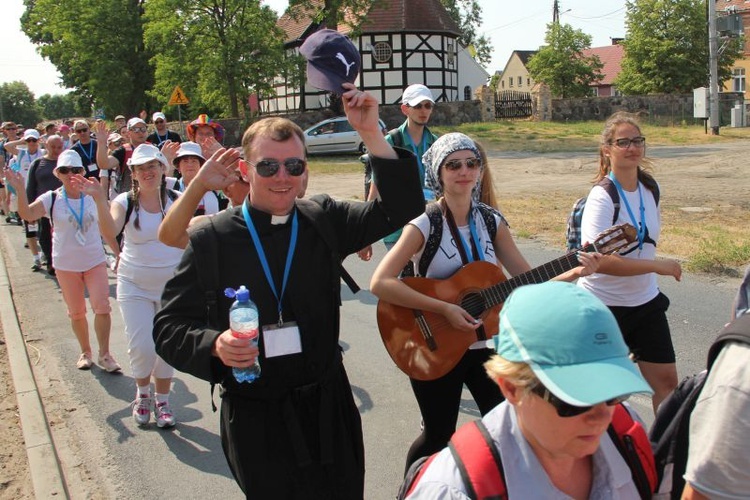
(453, 170)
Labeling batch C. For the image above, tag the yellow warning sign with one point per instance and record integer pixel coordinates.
(178, 97)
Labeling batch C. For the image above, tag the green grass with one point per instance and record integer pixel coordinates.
(545, 137)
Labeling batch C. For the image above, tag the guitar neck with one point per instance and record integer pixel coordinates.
(497, 294)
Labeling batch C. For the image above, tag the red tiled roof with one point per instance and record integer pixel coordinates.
(611, 57)
(390, 16)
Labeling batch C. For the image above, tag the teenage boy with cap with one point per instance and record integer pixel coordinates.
(417, 105)
(563, 367)
(117, 161)
(161, 133)
(120, 121)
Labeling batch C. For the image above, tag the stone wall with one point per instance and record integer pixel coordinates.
(666, 109)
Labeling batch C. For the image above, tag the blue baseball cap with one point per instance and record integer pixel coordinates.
(332, 59)
(571, 341)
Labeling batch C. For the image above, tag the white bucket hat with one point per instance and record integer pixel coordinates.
(189, 148)
(145, 153)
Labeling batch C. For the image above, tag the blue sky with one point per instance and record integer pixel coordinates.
(511, 25)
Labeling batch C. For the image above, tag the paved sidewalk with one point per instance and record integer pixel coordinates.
(46, 473)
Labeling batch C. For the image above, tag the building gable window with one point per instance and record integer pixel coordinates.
(382, 52)
(520, 81)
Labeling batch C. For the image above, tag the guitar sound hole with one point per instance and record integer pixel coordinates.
(473, 304)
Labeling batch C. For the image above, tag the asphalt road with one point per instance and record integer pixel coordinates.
(187, 462)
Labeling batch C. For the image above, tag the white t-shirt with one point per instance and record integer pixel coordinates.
(209, 203)
(68, 253)
(447, 260)
(141, 247)
(24, 160)
(597, 216)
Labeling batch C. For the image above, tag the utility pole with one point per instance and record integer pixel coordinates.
(556, 13)
(713, 69)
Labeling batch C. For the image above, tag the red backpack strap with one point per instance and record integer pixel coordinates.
(478, 461)
(633, 444)
(412, 478)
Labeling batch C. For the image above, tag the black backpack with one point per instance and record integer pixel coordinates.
(365, 158)
(573, 232)
(670, 432)
(432, 244)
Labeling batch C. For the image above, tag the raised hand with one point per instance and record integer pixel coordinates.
(88, 185)
(15, 179)
(101, 132)
(169, 150)
(209, 146)
(220, 170)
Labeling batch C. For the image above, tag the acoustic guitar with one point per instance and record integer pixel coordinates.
(425, 346)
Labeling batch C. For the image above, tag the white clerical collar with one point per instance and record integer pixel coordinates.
(279, 219)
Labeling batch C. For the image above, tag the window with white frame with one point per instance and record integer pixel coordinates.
(738, 80)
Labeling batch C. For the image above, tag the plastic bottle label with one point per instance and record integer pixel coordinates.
(245, 335)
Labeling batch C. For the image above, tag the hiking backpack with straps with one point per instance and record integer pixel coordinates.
(573, 232)
(670, 432)
(481, 469)
(435, 214)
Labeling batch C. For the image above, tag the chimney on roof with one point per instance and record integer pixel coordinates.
(616, 41)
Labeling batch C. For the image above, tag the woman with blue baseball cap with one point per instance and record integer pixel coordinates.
(563, 368)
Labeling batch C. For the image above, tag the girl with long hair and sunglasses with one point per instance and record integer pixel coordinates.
(453, 170)
(144, 267)
(77, 252)
(627, 283)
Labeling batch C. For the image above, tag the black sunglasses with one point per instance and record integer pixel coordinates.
(268, 168)
(456, 164)
(32, 140)
(425, 105)
(568, 410)
(79, 130)
(70, 170)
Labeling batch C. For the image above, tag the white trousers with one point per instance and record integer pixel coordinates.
(139, 297)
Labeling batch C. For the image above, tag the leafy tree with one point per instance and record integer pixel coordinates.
(17, 103)
(57, 106)
(666, 48)
(468, 15)
(97, 47)
(561, 65)
(218, 51)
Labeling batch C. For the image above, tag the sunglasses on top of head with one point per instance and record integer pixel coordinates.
(566, 410)
(471, 163)
(268, 168)
(425, 105)
(70, 170)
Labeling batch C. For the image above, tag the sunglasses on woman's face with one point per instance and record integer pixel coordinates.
(268, 168)
(568, 410)
(471, 163)
(70, 170)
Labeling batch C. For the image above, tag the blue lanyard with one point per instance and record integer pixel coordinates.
(416, 149)
(77, 216)
(262, 255)
(642, 226)
(158, 137)
(182, 185)
(89, 156)
(474, 237)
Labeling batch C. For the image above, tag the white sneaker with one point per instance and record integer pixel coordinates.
(142, 409)
(163, 414)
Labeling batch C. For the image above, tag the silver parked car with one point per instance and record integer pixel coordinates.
(335, 135)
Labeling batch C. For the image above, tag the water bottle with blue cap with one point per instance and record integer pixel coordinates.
(243, 322)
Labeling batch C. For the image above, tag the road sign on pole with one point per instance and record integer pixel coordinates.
(178, 97)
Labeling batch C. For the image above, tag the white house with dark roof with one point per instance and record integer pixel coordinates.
(401, 42)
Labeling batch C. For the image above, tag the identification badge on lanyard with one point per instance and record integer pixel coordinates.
(80, 237)
(281, 340)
